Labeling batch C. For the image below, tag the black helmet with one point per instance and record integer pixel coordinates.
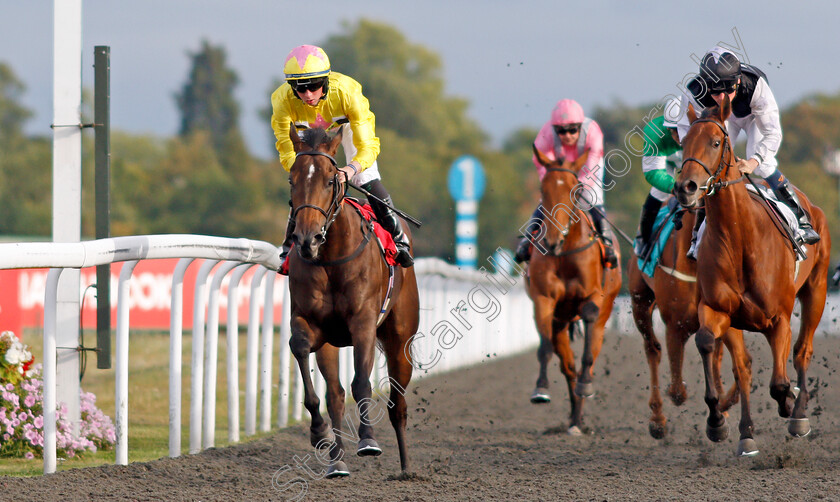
(720, 69)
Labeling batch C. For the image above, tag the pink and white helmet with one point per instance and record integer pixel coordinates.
(567, 111)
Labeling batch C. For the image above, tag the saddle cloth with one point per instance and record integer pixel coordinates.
(780, 208)
(662, 228)
(386, 241)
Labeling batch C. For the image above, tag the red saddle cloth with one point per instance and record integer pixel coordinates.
(386, 241)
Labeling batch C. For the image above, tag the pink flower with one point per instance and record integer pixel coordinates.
(39, 422)
(28, 455)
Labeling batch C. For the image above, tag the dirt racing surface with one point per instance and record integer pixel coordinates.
(473, 435)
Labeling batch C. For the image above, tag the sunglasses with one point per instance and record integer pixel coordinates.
(727, 86)
(309, 87)
(561, 130)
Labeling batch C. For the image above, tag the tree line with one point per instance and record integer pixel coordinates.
(205, 181)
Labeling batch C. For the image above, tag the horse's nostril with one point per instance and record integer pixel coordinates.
(691, 187)
(320, 238)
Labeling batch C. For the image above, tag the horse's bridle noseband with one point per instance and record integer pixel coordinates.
(711, 186)
(335, 206)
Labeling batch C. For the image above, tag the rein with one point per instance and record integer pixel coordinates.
(592, 239)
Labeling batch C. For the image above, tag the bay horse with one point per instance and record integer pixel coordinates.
(567, 283)
(673, 291)
(339, 283)
(748, 276)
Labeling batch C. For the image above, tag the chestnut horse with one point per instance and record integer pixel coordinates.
(748, 276)
(566, 283)
(673, 291)
(339, 283)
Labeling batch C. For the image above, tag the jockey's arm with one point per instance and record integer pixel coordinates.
(362, 123)
(656, 173)
(766, 114)
(281, 123)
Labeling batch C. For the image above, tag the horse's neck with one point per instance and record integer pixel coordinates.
(729, 217)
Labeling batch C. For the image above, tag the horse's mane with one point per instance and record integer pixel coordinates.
(710, 112)
(314, 137)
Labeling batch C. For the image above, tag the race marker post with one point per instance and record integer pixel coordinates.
(466, 185)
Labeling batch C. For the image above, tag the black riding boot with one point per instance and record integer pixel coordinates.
(287, 241)
(390, 222)
(650, 210)
(523, 249)
(610, 258)
(700, 217)
(786, 194)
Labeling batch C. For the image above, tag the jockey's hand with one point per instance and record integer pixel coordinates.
(347, 172)
(746, 166)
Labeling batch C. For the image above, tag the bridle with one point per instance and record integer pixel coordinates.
(723, 166)
(565, 231)
(331, 212)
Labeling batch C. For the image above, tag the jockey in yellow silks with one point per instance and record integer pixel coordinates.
(315, 96)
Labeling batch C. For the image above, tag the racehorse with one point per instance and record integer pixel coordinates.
(339, 287)
(568, 282)
(748, 276)
(673, 291)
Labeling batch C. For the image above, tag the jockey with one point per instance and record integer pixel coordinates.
(314, 96)
(567, 135)
(754, 110)
(662, 153)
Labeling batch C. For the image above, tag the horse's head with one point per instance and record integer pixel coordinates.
(561, 192)
(316, 191)
(707, 154)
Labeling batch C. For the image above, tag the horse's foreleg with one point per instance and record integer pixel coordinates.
(364, 353)
(675, 338)
(544, 315)
(731, 397)
(594, 337)
(327, 358)
(742, 369)
(643, 303)
(563, 348)
(713, 324)
(300, 343)
(779, 339)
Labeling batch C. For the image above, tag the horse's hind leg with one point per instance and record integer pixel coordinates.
(399, 374)
(642, 301)
(328, 365)
(812, 301)
(301, 345)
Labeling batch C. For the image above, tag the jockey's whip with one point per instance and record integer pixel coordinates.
(414, 221)
(620, 232)
(796, 249)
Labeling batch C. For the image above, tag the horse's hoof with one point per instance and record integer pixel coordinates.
(586, 390)
(717, 434)
(799, 427)
(574, 431)
(368, 448)
(657, 431)
(747, 448)
(540, 396)
(337, 469)
(322, 440)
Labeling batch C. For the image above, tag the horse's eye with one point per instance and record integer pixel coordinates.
(717, 143)
(331, 182)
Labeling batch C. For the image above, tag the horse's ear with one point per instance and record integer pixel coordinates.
(580, 161)
(725, 108)
(692, 116)
(541, 158)
(336, 140)
(296, 142)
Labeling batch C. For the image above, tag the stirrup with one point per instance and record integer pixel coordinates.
(808, 235)
(523, 251)
(691, 254)
(404, 257)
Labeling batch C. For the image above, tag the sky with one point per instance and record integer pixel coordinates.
(511, 60)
